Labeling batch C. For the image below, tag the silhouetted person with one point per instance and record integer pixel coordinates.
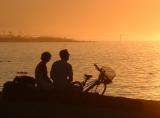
(41, 76)
(61, 72)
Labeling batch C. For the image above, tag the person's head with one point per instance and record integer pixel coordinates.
(64, 54)
(46, 56)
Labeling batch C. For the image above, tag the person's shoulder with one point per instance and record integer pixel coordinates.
(56, 62)
(69, 64)
(39, 64)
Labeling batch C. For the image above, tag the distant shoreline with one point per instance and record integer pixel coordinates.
(35, 39)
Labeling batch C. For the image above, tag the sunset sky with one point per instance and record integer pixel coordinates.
(82, 19)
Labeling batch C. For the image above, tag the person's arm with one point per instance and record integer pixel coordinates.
(51, 72)
(70, 74)
(45, 74)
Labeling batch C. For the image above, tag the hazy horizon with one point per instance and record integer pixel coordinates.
(82, 19)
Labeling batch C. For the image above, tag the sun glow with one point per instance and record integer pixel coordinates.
(156, 37)
(83, 19)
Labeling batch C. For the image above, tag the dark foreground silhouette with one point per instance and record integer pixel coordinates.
(23, 100)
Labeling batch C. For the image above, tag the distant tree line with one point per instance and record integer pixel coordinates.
(18, 38)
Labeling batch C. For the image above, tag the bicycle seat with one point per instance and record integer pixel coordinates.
(87, 76)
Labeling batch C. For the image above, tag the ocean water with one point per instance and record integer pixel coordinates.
(137, 64)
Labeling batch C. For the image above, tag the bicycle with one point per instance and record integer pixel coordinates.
(99, 85)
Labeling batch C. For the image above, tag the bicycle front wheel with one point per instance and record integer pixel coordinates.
(100, 88)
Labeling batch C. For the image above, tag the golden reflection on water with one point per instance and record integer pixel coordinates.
(137, 64)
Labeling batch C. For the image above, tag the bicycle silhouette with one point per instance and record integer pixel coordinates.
(99, 85)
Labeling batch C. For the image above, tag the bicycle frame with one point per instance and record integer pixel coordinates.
(99, 85)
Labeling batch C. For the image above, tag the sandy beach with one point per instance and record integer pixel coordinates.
(95, 106)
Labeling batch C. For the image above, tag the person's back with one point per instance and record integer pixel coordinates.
(41, 76)
(61, 72)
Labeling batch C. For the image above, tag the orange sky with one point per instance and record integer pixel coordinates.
(83, 19)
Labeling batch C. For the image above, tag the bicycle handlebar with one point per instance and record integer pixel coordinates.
(96, 66)
(99, 69)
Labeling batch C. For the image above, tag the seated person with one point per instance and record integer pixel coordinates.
(61, 72)
(42, 79)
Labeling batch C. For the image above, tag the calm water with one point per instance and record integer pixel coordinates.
(137, 64)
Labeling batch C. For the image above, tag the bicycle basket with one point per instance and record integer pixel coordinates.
(109, 72)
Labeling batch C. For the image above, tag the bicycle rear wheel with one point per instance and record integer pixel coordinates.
(100, 89)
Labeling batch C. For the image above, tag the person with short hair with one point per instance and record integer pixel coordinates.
(61, 71)
(41, 75)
